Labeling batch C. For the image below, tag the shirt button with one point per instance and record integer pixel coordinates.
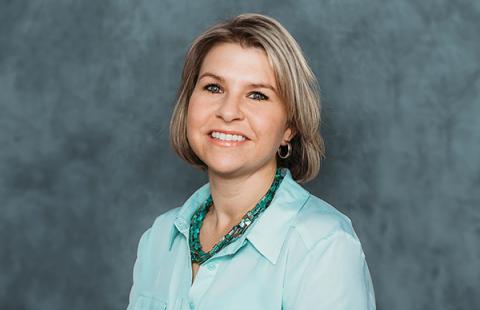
(211, 266)
(192, 305)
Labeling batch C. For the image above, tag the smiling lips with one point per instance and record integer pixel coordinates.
(226, 139)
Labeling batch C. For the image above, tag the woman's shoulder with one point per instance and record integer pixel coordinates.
(165, 219)
(318, 219)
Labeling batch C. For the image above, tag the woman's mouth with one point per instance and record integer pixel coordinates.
(222, 139)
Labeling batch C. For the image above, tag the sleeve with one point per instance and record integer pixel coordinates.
(333, 275)
(138, 269)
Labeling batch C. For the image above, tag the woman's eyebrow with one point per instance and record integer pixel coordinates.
(255, 85)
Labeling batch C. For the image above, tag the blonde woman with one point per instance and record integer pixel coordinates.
(248, 114)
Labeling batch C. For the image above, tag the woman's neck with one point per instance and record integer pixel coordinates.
(235, 196)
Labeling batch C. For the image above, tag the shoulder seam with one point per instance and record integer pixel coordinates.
(311, 245)
(331, 235)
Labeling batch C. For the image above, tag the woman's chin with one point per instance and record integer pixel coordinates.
(225, 168)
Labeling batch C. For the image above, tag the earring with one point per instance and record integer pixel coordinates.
(288, 152)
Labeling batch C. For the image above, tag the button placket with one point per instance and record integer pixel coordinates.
(203, 280)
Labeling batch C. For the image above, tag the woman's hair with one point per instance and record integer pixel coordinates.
(297, 85)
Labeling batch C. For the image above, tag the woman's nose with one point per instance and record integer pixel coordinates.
(229, 108)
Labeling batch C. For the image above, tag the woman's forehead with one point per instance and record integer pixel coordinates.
(231, 61)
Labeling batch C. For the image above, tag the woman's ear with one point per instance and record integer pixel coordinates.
(289, 134)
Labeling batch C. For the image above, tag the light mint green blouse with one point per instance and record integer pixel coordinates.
(301, 253)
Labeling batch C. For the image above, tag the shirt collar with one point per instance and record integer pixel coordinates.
(269, 230)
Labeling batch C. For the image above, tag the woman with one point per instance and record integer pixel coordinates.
(248, 114)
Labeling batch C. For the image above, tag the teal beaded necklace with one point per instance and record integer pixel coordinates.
(199, 256)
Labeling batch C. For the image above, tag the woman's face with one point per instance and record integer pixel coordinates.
(235, 91)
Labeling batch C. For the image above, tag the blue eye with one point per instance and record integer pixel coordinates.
(211, 88)
(215, 89)
(260, 96)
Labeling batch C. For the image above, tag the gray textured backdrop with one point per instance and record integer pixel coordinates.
(87, 91)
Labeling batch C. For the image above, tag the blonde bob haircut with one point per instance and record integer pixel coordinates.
(295, 81)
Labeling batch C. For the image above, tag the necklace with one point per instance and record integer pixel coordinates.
(197, 254)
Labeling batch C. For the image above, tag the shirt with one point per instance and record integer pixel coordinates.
(300, 253)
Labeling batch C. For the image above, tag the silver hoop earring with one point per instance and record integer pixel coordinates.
(289, 152)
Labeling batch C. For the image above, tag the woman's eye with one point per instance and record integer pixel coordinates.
(259, 96)
(213, 88)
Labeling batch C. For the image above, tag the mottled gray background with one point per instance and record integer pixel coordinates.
(87, 91)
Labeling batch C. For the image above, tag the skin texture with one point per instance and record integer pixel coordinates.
(239, 175)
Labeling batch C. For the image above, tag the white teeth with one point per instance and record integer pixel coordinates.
(227, 137)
